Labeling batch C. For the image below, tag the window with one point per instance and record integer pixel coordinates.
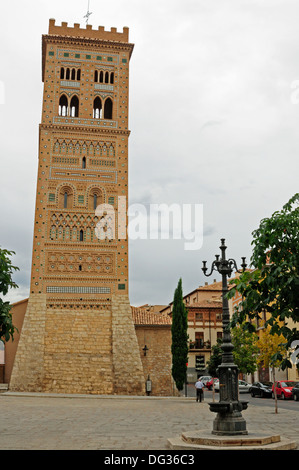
(199, 339)
(95, 198)
(108, 109)
(97, 108)
(65, 199)
(74, 106)
(81, 235)
(83, 162)
(63, 106)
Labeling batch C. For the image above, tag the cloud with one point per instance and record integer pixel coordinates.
(211, 118)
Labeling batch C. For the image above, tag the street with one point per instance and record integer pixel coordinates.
(58, 422)
(252, 401)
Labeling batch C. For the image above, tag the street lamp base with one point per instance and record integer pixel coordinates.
(229, 420)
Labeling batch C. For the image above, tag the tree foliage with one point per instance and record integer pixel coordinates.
(215, 359)
(179, 347)
(269, 346)
(245, 349)
(6, 282)
(273, 284)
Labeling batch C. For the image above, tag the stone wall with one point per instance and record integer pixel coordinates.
(27, 373)
(78, 351)
(128, 370)
(157, 362)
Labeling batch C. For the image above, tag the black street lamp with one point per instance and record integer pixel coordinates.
(229, 419)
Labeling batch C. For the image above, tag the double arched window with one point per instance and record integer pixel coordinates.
(68, 108)
(102, 111)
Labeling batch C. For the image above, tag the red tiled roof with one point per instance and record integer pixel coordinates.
(141, 316)
(206, 304)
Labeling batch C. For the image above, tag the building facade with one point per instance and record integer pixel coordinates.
(78, 335)
(204, 306)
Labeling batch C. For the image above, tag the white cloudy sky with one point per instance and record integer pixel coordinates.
(213, 116)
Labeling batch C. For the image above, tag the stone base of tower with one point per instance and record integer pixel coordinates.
(81, 351)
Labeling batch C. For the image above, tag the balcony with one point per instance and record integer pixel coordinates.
(199, 345)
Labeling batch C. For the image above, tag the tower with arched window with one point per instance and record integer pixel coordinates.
(78, 335)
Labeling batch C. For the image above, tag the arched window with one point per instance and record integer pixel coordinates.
(95, 198)
(95, 201)
(108, 107)
(97, 108)
(112, 78)
(83, 162)
(63, 106)
(107, 77)
(74, 106)
(65, 198)
(62, 73)
(73, 74)
(67, 75)
(96, 75)
(79, 75)
(101, 77)
(81, 235)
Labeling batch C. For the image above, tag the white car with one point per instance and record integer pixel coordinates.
(205, 378)
(243, 386)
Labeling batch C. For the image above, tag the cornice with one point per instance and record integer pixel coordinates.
(85, 129)
(79, 40)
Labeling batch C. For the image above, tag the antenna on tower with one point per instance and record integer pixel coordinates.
(87, 14)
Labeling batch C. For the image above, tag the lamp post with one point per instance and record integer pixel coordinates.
(229, 419)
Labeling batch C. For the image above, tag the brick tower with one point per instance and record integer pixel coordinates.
(78, 335)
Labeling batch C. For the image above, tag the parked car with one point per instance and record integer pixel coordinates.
(261, 389)
(243, 386)
(209, 384)
(205, 378)
(295, 392)
(283, 388)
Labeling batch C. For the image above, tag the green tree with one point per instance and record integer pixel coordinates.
(6, 282)
(215, 359)
(270, 345)
(245, 349)
(273, 284)
(179, 347)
